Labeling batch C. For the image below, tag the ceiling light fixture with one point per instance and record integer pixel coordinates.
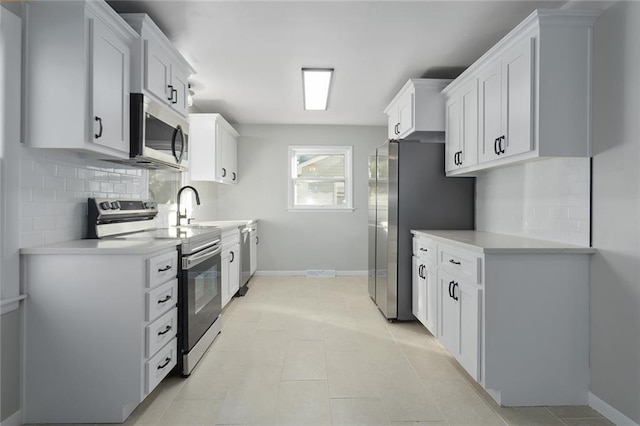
(316, 83)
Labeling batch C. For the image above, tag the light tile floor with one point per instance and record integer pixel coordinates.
(305, 351)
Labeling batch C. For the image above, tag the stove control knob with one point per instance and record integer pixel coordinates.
(148, 205)
(115, 205)
(105, 205)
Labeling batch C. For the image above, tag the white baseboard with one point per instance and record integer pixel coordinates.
(609, 412)
(13, 420)
(302, 273)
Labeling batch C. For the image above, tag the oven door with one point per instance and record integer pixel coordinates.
(201, 301)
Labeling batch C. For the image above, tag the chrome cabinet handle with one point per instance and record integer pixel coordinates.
(170, 98)
(233, 257)
(454, 262)
(166, 268)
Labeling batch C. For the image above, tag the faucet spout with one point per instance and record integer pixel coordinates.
(180, 215)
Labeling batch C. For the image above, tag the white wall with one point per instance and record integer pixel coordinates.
(546, 199)
(295, 241)
(615, 268)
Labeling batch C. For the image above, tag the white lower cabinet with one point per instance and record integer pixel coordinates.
(230, 264)
(459, 321)
(425, 289)
(100, 333)
(514, 312)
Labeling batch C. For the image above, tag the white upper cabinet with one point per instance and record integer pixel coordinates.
(77, 78)
(159, 70)
(533, 95)
(417, 111)
(213, 149)
(461, 136)
(506, 127)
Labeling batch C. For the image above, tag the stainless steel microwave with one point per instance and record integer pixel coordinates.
(159, 136)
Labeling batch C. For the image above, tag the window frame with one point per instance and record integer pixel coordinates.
(345, 150)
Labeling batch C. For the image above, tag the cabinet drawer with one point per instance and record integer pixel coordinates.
(425, 249)
(461, 263)
(161, 364)
(161, 331)
(161, 299)
(162, 268)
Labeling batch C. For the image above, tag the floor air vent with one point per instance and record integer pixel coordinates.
(324, 273)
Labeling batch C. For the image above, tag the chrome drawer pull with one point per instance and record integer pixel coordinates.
(166, 268)
(423, 249)
(166, 362)
(454, 262)
(166, 330)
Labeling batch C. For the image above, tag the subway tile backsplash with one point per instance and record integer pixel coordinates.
(547, 199)
(54, 187)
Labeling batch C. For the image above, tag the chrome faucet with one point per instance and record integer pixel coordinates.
(184, 216)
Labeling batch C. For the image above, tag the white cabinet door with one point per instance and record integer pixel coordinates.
(225, 276)
(469, 305)
(415, 284)
(490, 85)
(254, 252)
(110, 83)
(449, 314)
(469, 124)
(506, 104)
(459, 327)
(233, 158)
(406, 114)
(180, 87)
(452, 135)
(431, 298)
(517, 102)
(157, 76)
(234, 270)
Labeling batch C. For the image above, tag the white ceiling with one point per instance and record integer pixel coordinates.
(248, 55)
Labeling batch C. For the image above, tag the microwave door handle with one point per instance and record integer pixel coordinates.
(176, 131)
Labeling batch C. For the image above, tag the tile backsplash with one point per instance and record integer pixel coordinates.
(547, 199)
(54, 187)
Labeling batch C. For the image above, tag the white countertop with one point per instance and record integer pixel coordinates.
(225, 224)
(488, 242)
(105, 246)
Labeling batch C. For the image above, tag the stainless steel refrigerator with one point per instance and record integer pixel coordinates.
(408, 190)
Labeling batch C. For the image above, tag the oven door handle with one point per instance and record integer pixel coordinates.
(190, 261)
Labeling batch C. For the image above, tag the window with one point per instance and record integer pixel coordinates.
(320, 178)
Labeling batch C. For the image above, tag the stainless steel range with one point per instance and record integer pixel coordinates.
(199, 278)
